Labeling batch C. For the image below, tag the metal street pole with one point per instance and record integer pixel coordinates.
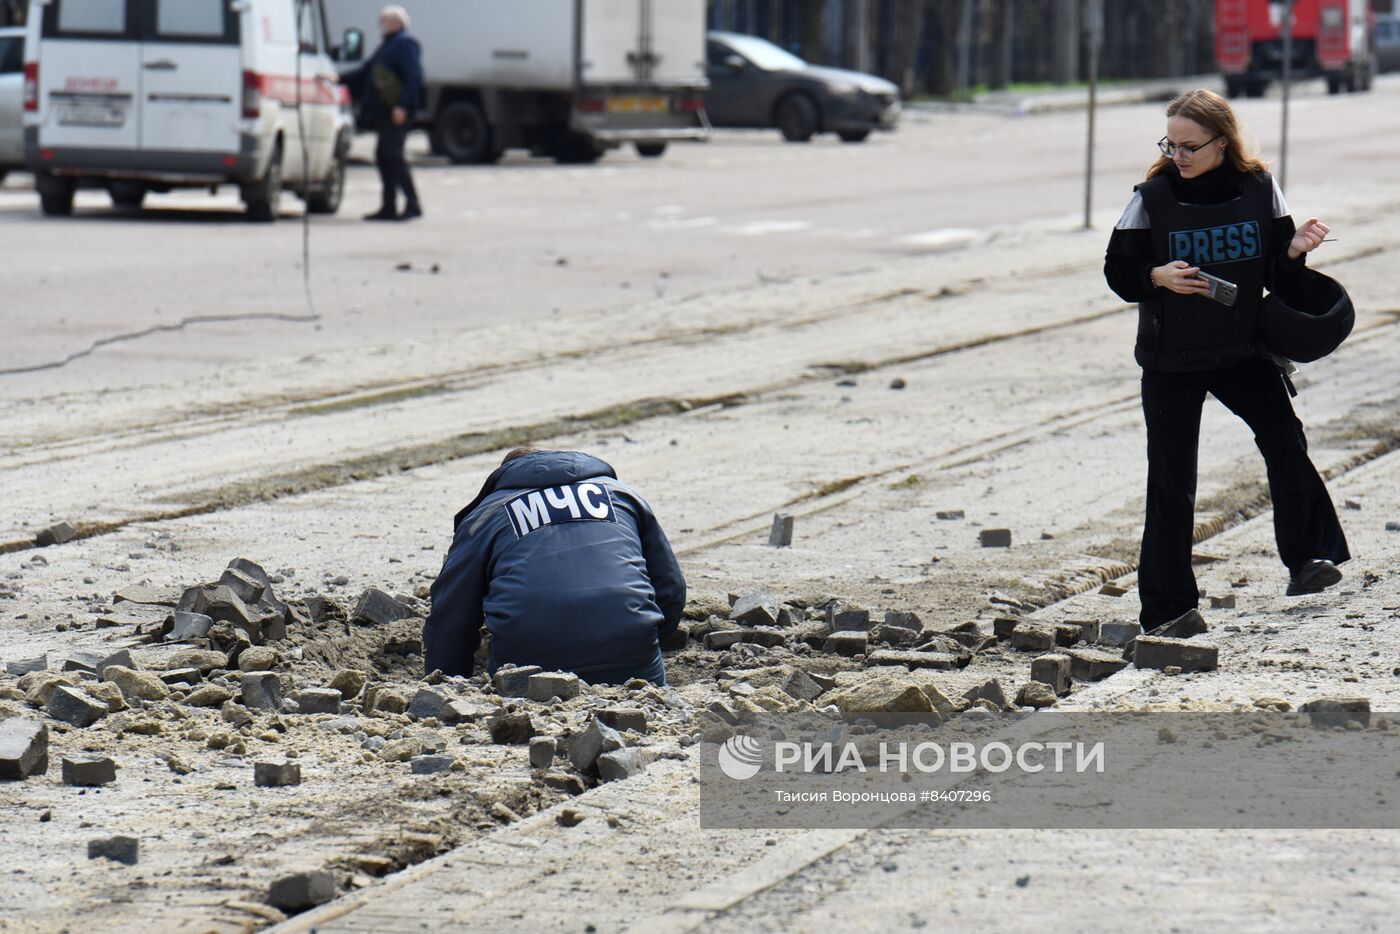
(1095, 25)
(1287, 85)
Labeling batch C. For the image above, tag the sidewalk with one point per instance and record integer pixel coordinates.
(1072, 97)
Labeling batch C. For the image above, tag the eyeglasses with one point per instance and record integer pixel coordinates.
(1171, 149)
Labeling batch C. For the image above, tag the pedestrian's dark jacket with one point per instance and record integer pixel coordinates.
(565, 566)
(401, 54)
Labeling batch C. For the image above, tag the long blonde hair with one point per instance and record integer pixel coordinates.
(1213, 113)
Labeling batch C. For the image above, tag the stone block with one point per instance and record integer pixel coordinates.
(1189, 655)
(24, 748)
(317, 700)
(302, 890)
(623, 718)
(60, 533)
(1034, 637)
(781, 534)
(542, 750)
(1119, 634)
(547, 685)
(620, 764)
(511, 729)
(1053, 670)
(758, 608)
(277, 774)
(74, 707)
(125, 850)
(88, 771)
(262, 690)
(846, 643)
(994, 538)
(595, 740)
(935, 660)
(513, 682)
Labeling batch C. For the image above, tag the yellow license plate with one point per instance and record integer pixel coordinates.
(638, 105)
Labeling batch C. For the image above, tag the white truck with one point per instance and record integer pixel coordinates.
(568, 79)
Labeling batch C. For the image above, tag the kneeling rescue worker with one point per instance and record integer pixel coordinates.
(566, 567)
(1208, 206)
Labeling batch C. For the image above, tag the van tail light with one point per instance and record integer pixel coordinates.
(690, 105)
(31, 87)
(592, 105)
(252, 95)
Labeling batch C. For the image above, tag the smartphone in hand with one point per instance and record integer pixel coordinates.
(1220, 291)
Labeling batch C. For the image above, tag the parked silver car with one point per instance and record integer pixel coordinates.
(1388, 43)
(11, 100)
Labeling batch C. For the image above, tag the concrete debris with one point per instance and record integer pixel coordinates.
(848, 644)
(595, 740)
(208, 695)
(96, 662)
(781, 534)
(1088, 630)
(624, 718)
(547, 685)
(88, 771)
(882, 693)
(381, 699)
(1033, 637)
(511, 681)
(38, 686)
(24, 666)
(136, 684)
(258, 658)
(60, 533)
(24, 748)
(950, 515)
(1036, 694)
(935, 660)
(1110, 589)
(1118, 634)
(349, 683)
(1004, 626)
(323, 609)
(994, 538)
(723, 639)
(1053, 670)
(570, 817)
(542, 749)
(108, 693)
(262, 690)
(620, 764)
(302, 890)
(430, 764)
(759, 608)
(244, 586)
(848, 618)
(186, 677)
(887, 634)
(277, 774)
(904, 620)
(1392, 526)
(74, 707)
(377, 608)
(1226, 602)
(205, 660)
(317, 700)
(724, 712)
(1093, 664)
(1338, 711)
(1161, 652)
(125, 850)
(511, 729)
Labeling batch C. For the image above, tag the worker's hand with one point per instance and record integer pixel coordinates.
(1308, 238)
(399, 116)
(1180, 277)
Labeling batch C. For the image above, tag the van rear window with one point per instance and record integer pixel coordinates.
(90, 16)
(203, 18)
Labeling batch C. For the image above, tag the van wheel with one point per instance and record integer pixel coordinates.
(263, 198)
(854, 136)
(1255, 88)
(463, 134)
(798, 118)
(577, 149)
(55, 195)
(325, 199)
(127, 196)
(651, 150)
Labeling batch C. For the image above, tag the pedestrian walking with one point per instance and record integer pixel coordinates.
(1210, 208)
(390, 85)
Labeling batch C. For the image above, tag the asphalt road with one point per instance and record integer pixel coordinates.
(530, 241)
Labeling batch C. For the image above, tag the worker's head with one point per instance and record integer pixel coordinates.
(1202, 133)
(392, 19)
(517, 454)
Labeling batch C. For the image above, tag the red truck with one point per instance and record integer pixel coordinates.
(1332, 39)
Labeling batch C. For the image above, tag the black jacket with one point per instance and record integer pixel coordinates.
(401, 54)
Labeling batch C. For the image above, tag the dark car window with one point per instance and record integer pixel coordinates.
(716, 53)
(11, 55)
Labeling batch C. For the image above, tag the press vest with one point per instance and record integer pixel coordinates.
(1229, 240)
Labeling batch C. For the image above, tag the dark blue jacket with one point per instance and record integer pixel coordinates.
(401, 54)
(567, 568)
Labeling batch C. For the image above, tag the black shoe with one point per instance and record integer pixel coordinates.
(383, 214)
(1314, 577)
(1188, 624)
(410, 212)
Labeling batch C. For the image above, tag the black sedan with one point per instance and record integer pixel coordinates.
(753, 83)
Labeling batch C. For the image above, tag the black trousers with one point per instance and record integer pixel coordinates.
(1305, 522)
(393, 167)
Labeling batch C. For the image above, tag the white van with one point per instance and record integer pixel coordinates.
(137, 96)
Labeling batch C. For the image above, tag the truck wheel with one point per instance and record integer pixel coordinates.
(55, 195)
(577, 149)
(798, 118)
(263, 198)
(127, 195)
(651, 150)
(1334, 85)
(1234, 87)
(463, 134)
(854, 136)
(326, 197)
(1255, 88)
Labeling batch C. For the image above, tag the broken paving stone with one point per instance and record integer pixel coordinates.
(262, 690)
(723, 639)
(1033, 637)
(724, 712)
(624, 718)
(24, 748)
(1092, 664)
(258, 658)
(1004, 626)
(247, 589)
(886, 634)
(108, 693)
(206, 660)
(548, 685)
(377, 608)
(349, 683)
(143, 595)
(1088, 630)
(400, 750)
(88, 771)
(1036, 694)
(1188, 655)
(542, 749)
(950, 515)
(676, 639)
(620, 764)
(60, 533)
(1053, 670)
(511, 729)
(1110, 589)
(848, 618)
(935, 660)
(317, 700)
(1392, 526)
(514, 681)
(994, 538)
(39, 686)
(904, 620)
(133, 684)
(847, 644)
(302, 890)
(765, 636)
(181, 676)
(430, 764)
(1338, 711)
(381, 699)
(569, 817)
(225, 606)
(96, 662)
(781, 534)
(1226, 602)
(759, 608)
(880, 693)
(24, 666)
(1120, 634)
(208, 695)
(74, 707)
(124, 850)
(595, 740)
